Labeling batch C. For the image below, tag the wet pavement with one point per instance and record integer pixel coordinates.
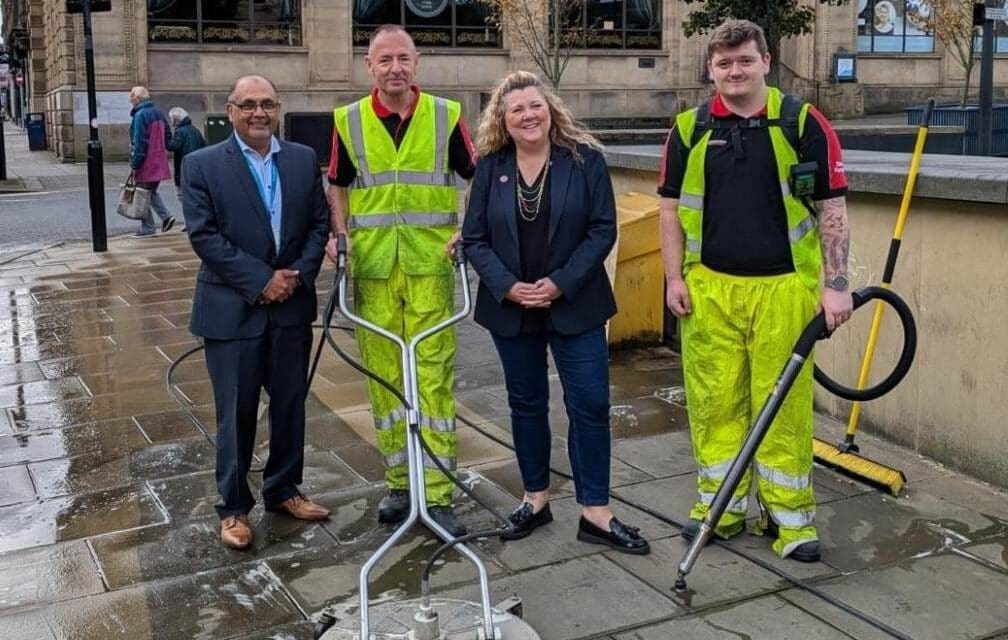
(107, 527)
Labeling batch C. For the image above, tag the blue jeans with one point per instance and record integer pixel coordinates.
(582, 361)
(157, 205)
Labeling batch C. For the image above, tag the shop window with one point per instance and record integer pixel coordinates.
(225, 21)
(894, 26)
(431, 23)
(615, 24)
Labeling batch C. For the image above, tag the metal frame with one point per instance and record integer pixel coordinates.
(418, 505)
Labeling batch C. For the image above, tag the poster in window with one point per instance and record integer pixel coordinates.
(427, 8)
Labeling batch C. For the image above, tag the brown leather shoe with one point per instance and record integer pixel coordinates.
(236, 532)
(302, 508)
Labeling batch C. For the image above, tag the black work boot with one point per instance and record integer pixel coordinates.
(805, 552)
(394, 507)
(445, 517)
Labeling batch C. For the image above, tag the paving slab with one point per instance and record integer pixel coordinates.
(20, 373)
(108, 439)
(874, 530)
(767, 617)
(92, 471)
(47, 574)
(943, 596)
(177, 549)
(719, 576)
(580, 598)
(235, 601)
(15, 485)
(57, 415)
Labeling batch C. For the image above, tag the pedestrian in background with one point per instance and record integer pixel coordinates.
(185, 139)
(149, 137)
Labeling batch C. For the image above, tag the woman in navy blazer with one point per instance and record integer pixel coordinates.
(540, 221)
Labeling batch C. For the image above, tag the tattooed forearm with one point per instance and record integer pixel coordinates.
(835, 236)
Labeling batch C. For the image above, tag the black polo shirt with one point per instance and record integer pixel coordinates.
(745, 228)
(461, 155)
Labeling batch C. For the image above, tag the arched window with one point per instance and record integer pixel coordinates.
(225, 21)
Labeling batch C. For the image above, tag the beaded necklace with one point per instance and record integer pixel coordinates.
(529, 200)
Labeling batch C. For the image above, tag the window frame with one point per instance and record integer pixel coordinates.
(582, 28)
(412, 29)
(198, 23)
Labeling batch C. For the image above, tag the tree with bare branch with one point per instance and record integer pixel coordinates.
(550, 42)
(952, 24)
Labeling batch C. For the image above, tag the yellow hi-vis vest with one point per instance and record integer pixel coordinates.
(403, 202)
(806, 252)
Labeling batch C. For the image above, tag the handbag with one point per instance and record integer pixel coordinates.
(133, 200)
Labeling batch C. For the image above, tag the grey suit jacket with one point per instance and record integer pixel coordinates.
(229, 229)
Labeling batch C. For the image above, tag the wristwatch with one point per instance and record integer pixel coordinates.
(837, 283)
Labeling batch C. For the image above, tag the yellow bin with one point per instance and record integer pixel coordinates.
(639, 279)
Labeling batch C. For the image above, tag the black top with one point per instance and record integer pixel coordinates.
(533, 246)
(744, 220)
(342, 170)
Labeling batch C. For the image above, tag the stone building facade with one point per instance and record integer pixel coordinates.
(188, 53)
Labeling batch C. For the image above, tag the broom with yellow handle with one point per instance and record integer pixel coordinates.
(844, 456)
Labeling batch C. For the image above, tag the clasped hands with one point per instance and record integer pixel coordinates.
(534, 295)
(280, 286)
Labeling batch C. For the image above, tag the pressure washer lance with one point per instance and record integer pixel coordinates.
(815, 330)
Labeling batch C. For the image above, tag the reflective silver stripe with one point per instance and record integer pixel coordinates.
(440, 136)
(416, 219)
(782, 479)
(793, 519)
(785, 188)
(691, 200)
(739, 505)
(715, 471)
(364, 177)
(387, 422)
(444, 425)
(399, 457)
(420, 178)
(799, 232)
(692, 245)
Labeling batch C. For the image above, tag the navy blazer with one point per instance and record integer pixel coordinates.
(582, 230)
(230, 231)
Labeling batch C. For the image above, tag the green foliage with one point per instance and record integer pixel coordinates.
(779, 18)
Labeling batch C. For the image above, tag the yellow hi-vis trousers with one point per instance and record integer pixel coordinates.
(735, 343)
(407, 305)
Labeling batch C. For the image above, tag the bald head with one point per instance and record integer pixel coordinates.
(245, 82)
(393, 31)
(392, 61)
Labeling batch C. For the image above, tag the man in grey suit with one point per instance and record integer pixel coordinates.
(257, 217)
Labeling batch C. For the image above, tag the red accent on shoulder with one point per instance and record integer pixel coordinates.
(464, 129)
(664, 156)
(334, 155)
(834, 153)
(383, 112)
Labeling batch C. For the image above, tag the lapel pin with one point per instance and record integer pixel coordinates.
(503, 178)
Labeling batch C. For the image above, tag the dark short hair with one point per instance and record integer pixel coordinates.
(735, 33)
(234, 87)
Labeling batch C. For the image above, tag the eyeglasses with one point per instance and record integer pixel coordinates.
(249, 106)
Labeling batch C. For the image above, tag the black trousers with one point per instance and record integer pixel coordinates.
(239, 370)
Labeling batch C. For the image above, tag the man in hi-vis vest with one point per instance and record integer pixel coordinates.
(392, 189)
(755, 241)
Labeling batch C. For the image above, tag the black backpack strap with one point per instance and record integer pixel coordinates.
(788, 121)
(703, 122)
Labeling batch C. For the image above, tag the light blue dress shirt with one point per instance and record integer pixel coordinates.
(267, 178)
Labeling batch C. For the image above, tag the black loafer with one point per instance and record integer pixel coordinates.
(619, 537)
(524, 521)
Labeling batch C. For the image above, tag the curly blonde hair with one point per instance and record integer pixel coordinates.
(565, 131)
